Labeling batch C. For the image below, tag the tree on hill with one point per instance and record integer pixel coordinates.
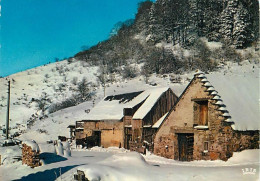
(84, 92)
(43, 102)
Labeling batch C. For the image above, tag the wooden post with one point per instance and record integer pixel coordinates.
(8, 108)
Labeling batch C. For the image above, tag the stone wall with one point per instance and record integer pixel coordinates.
(180, 120)
(112, 132)
(166, 146)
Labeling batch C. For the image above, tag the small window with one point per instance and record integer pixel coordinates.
(206, 146)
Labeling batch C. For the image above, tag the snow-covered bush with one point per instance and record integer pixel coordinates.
(63, 149)
(72, 101)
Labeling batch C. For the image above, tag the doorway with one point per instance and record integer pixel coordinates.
(185, 143)
(97, 137)
(128, 137)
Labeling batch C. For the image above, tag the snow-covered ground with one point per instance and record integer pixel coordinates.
(114, 164)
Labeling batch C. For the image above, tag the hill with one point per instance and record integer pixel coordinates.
(171, 32)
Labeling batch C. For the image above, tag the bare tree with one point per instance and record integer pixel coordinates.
(43, 102)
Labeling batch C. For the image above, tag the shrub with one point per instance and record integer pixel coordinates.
(64, 104)
(129, 72)
(43, 102)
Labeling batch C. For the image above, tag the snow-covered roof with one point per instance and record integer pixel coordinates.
(32, 144)
(240, 95)
(112, 107)
(154, 95)
(159, 122)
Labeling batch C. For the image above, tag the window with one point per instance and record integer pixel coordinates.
(206, 146)
(201, 112)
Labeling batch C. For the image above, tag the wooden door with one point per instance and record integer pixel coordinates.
(128, 137)
(204, 113)
(185, 143)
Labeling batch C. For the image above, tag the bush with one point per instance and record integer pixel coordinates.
(83, 93)
(42, 131)
(43, 102)
(64, 104)
(129, 72)
(226, 53)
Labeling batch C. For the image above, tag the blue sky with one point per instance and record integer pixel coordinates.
(34, 32)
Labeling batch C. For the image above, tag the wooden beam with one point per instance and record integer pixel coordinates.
(200, 99)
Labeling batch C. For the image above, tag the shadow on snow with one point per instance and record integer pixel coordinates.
(47, 175)
(49, 158)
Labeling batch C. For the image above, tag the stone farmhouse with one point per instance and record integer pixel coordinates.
(125, 120)
(205, 124)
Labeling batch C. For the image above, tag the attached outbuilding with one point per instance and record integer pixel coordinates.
(126, 120)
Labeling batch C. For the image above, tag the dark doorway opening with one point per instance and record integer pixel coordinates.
(185, 143)
(128, 137)
(97, 136)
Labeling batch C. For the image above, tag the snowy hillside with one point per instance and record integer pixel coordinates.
(54, 80)
(59, 81)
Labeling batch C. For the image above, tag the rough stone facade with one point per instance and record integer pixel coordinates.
(111, 132)
(188, 134)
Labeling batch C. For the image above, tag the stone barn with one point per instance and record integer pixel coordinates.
(206, 124)
(125, 120)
